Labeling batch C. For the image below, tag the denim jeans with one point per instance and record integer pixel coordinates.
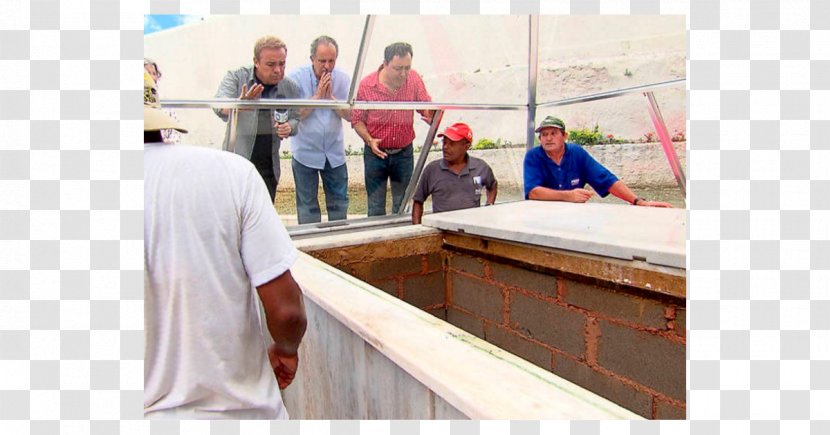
(335, 185)
(397, 168)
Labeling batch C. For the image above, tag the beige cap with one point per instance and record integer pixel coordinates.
(154, 118)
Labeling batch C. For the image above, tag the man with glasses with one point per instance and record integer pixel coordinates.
(258, 133)
(388, 134)
(317, 149)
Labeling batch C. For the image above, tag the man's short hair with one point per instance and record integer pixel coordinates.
(268, 41)
(400, 49)
(323, 39)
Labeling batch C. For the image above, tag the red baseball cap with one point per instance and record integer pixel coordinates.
(458, 131)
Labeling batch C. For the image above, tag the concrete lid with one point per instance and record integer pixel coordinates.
(654, 235)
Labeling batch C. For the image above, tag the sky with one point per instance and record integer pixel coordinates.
(156, 23)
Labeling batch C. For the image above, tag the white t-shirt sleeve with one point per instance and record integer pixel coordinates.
(266, 249)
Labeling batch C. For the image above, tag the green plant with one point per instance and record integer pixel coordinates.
(286, 155)
(679, 136)
(486, 144)
(628, 73)
(649, 137)
(584, 136)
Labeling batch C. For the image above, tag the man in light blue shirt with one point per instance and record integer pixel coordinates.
(317, 149)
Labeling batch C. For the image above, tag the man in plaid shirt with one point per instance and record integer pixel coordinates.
(388, 134)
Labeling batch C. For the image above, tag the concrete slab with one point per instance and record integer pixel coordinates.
(653, 235)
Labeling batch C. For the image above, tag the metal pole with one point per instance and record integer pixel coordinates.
(665, 140)
(532, 68)
(361, 56)
(232, 133)
(406, 206)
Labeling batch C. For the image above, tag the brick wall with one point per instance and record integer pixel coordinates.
(621, 342)
(412, 269)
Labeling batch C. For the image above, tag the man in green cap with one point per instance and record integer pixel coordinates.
(558, 171)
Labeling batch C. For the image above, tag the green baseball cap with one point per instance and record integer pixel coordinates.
(551, 121)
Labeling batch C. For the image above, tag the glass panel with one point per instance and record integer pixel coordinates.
(580, 55)
(477, 60)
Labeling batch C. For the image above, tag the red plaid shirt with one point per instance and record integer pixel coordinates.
(392, 127)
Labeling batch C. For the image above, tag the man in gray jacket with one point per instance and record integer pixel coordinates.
(258, 132)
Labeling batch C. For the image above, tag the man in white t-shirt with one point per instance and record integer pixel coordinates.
(211, 236)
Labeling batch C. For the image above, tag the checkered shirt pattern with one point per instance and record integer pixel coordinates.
(392, 127)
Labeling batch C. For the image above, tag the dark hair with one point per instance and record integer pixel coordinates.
(400, 49)
(323, 39)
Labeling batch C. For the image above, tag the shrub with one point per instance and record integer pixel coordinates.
(486, 144)
(584, 136)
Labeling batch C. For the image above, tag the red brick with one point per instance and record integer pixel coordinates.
(643, 357)
(667, 411)
(467, 322)
(552, 324)
(612, 389)
(380, 269)
(680, 322)
(425, 290)
(466, 263)
(477, 296)
(616, 304)
(515, 276)
(518, 345)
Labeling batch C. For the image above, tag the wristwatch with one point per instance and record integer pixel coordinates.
(637, 200)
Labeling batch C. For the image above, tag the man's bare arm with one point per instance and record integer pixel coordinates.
(547, 194)
(417, 212)
(491, 193)
(282, 300)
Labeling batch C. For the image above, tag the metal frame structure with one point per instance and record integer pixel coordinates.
(439, 109)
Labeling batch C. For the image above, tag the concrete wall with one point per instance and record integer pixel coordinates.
(621, 342)
(640, 165)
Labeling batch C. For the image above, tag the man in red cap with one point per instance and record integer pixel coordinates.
(456, 181)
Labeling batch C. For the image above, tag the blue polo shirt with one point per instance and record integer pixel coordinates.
(576, 169)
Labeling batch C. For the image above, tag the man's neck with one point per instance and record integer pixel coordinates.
(458, 166)
(556, 155)
(383, 79)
